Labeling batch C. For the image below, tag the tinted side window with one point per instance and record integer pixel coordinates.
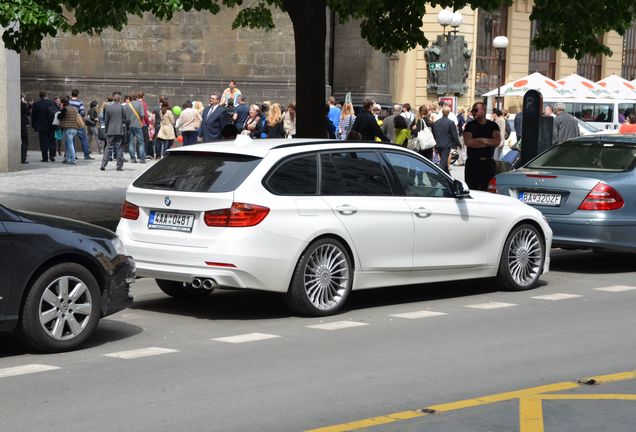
(298, 176)
(418, 178)
(330, 181)
(362, 173)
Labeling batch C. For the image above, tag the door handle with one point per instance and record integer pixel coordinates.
(422, 212)
(346, 210)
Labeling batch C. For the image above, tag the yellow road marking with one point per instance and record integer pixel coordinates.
(530, 404)
(501, 397)
(531, 414)
(370, 422)
(621, 376)
(590, 397)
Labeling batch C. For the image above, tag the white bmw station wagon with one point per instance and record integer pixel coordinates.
(316, 219)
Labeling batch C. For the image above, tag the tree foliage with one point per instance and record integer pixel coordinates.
(575, 27)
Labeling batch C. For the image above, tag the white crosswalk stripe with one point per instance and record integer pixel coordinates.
(418, 314)
(250, 337)
(337, 325)
(26, 369)
(557, 296)
(139, 353)
(617, 288)
(491, 305)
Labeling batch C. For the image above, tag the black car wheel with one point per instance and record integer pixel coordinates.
(182, 290)
(322, 279)
(62, 309)
(522, 259)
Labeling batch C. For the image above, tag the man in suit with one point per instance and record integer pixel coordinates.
(366, 124)
(214, 118)
(446, 137)
(42, 121)
(114, 118)
(388, 128)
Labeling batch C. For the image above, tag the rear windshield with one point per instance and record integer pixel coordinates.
(198, 172)
(588, 155)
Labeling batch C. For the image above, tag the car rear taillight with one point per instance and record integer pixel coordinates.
(129, 211)
(492, 185)
(602, 197)
(239, 215)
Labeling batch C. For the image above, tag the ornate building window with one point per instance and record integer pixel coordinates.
(628, 71)
(542, 61)
(488, 70)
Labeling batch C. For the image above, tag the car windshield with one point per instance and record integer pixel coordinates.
(588, 155)
(198, 172)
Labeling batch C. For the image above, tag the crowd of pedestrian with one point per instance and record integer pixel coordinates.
(127, 124)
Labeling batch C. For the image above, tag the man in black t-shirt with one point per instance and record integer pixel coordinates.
(481, 137)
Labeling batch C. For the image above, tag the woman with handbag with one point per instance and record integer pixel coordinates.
(423, 121)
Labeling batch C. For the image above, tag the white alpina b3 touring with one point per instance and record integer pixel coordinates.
(316, 219)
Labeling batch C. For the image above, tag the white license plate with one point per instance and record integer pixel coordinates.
(545, 199)
(171, 221)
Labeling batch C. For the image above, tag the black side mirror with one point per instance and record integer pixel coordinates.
(460, 189)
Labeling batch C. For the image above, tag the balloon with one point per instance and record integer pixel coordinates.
(176, 110)
(180, 139)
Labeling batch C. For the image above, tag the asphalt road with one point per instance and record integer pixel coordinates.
(281, 374)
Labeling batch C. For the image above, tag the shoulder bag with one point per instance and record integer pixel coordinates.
(424, 139)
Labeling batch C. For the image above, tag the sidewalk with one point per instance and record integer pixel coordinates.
(78, 191)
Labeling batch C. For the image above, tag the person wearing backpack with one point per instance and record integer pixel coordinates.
(42, 116)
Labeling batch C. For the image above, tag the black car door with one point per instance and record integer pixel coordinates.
(6, 258)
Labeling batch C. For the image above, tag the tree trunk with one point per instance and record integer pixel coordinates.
(309, 18)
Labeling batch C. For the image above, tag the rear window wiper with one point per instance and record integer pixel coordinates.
(163, 182)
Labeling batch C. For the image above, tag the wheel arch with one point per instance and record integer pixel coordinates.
(342, 240)
(76, 258)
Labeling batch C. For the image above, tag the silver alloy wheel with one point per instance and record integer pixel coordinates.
(525, 256)
(65, 308)
(326, 277)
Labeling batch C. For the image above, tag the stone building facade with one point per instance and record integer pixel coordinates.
(194, 54)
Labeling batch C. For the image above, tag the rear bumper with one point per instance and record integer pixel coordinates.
(266, 264)
(612, 234)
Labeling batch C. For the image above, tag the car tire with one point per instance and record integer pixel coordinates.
(182, 290)
(322, 279)
(522, 259)
(61, 310)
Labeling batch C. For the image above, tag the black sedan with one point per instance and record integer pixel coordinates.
(58, 277)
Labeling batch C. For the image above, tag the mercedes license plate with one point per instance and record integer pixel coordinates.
(171, 221)
(544, 199)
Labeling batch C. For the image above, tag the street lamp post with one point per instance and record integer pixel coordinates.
(500, 43)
